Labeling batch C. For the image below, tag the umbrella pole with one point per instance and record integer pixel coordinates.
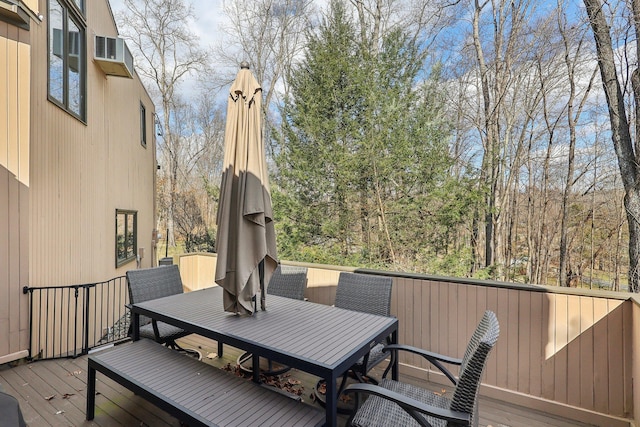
(262, 294)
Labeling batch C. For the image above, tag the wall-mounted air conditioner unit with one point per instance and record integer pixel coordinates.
(113, 56)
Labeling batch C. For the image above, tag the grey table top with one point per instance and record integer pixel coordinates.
(319, 339)
(313, 337)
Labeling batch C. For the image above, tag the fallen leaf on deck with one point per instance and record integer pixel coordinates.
(322, 388)
(212, 355)
(344, 398)
(59, 412)
(50, 397)
(67, 395)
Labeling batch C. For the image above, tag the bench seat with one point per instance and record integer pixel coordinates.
(194, 392)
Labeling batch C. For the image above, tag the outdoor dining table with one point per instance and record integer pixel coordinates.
(319, 339)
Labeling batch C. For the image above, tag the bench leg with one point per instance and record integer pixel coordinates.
(220, 348)
(91, 393)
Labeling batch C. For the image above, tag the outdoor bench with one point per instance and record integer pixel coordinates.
(195, 392)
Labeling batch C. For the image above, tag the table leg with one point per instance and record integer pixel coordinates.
(255, 362)
(331, 402)
(91, 393)
(136, 326)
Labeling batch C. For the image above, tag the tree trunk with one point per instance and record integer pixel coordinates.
(488, 162)
(632, 206)
(620, 133)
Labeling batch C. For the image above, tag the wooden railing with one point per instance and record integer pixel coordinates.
(562, 351)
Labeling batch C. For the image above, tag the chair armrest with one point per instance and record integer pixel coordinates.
(434, 358)
(413, 407)
(429, 355)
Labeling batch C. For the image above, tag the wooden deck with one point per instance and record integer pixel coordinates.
(53, 393)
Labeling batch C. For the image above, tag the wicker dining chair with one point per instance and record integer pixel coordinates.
(395, 403)
(287, 281)
(368, 294)
(150, 283)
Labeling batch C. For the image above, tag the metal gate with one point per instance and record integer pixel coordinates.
(69, 321)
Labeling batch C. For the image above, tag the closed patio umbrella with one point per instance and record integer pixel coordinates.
(245, 242)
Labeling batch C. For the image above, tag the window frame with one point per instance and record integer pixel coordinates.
(143, 125)
(129, 215)
(80, 6)
(70, 12)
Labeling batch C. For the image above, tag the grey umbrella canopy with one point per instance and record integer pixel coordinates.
(245, 241)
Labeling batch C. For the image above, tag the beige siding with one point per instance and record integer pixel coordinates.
(14, 190)
(33, 5)
(15, 63)
(635, 351)
(197, 271)
(5, 63)
(23, 101)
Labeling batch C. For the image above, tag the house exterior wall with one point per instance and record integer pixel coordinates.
(31, 4)
(15, 53)
(62, 179)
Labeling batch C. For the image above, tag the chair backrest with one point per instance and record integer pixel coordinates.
(150, 283)
(365, 293)
(465, 395)
(288, 281)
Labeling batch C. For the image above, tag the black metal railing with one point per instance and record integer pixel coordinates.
(69, 321)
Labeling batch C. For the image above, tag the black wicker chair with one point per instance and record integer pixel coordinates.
(368, 294)
(287, 281)
(395, 403)
(150, 283)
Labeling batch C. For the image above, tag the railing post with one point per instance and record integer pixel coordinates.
(26, 290)
(85, 347)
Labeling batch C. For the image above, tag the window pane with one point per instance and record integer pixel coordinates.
(56, 52)
(120, 236)
(80, 4)
(75, 44)
(143, 125)
(129, 239)
(67, 58)
(126, 246)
